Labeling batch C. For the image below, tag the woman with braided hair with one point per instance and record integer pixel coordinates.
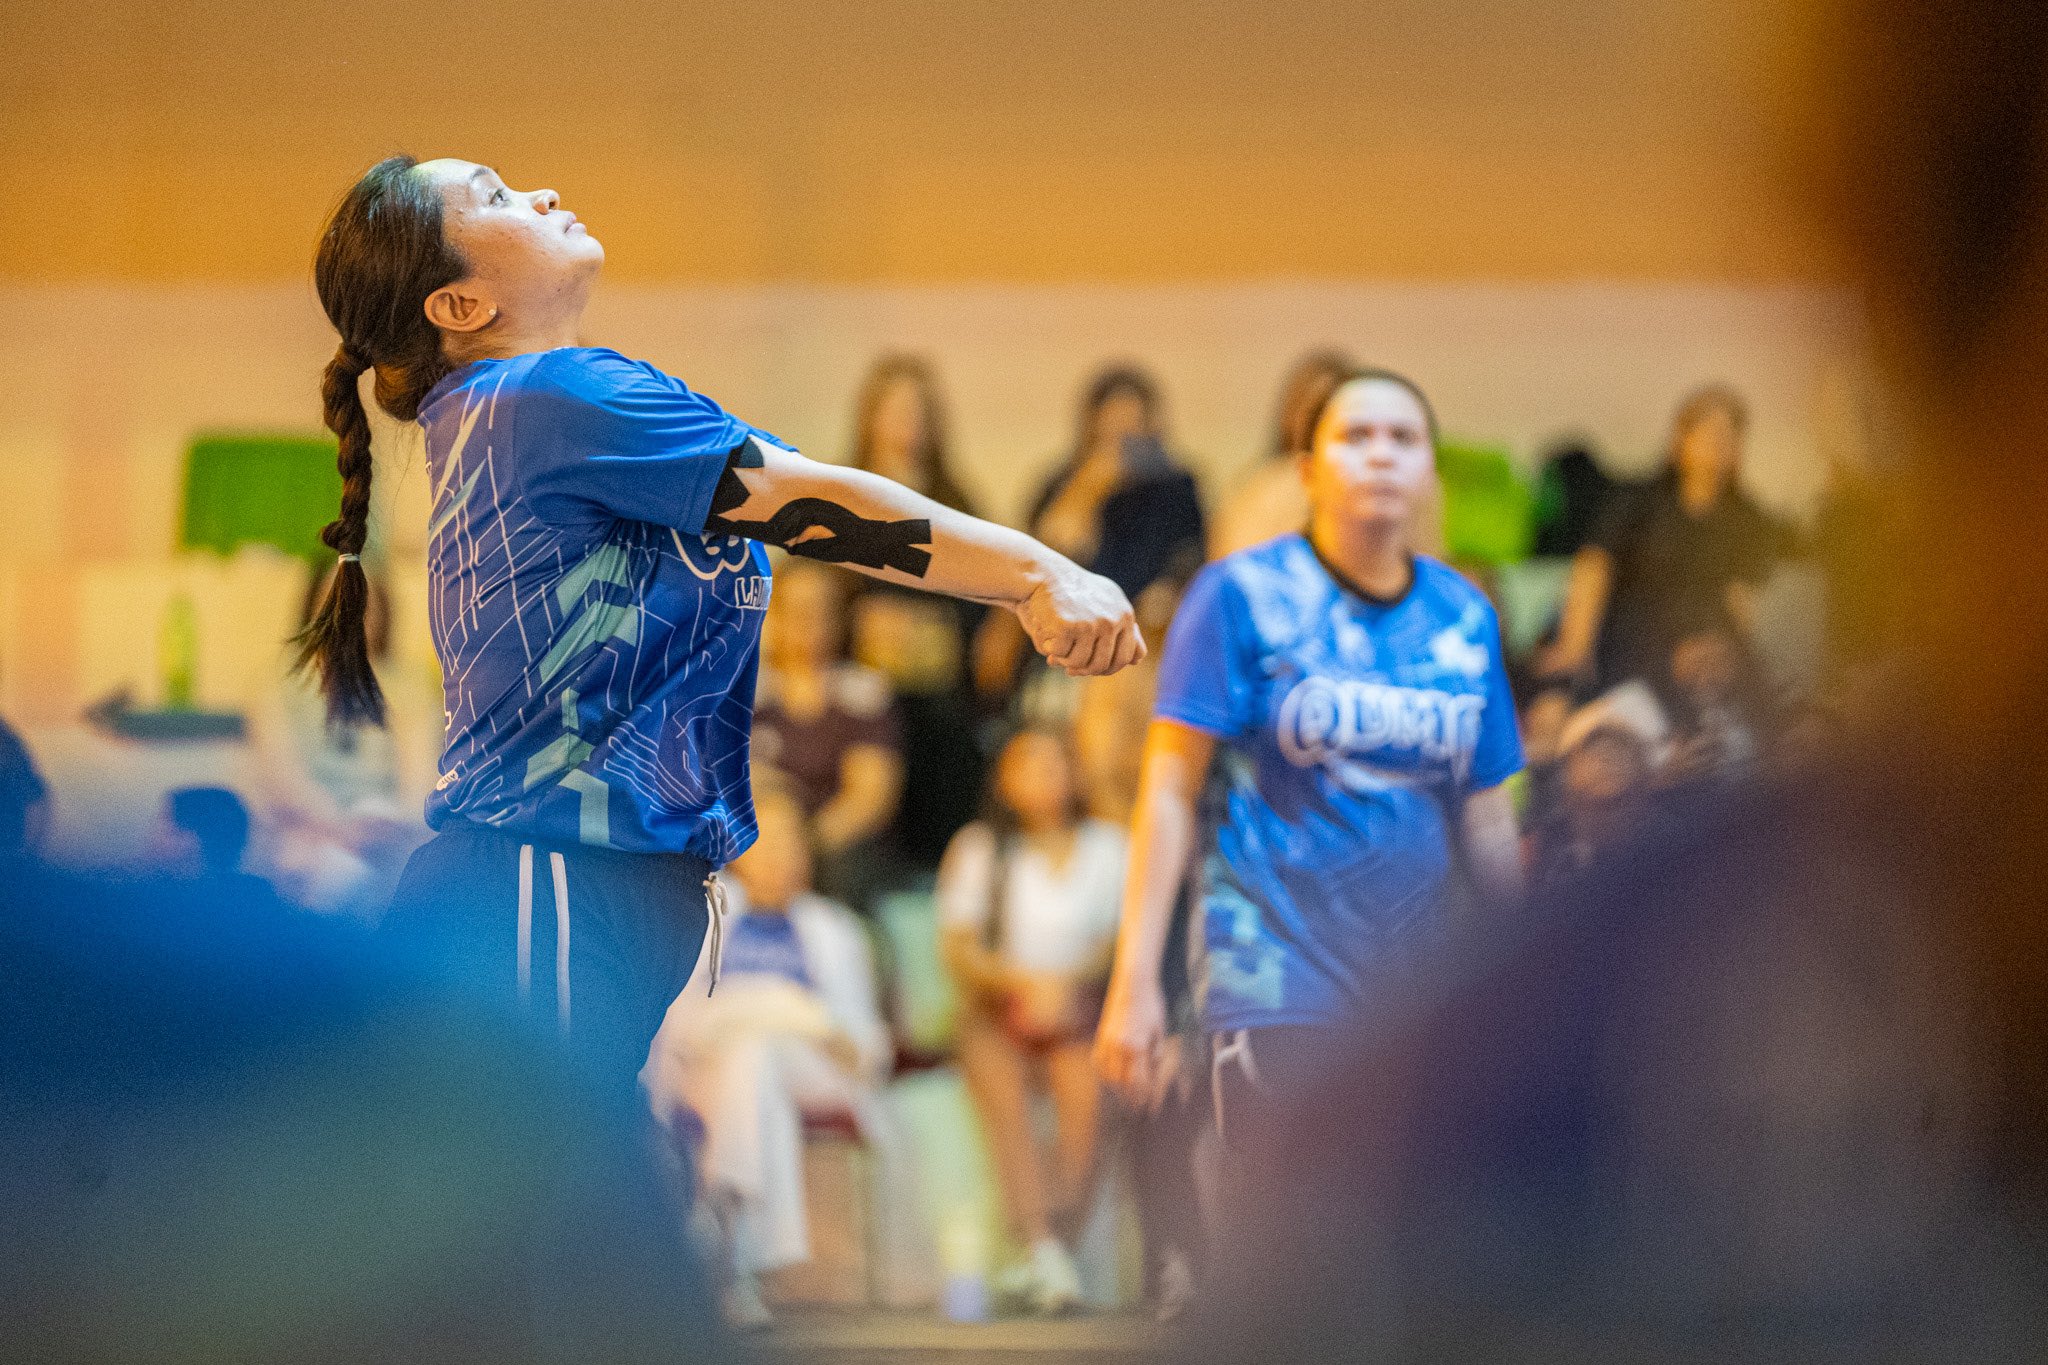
(597, 582)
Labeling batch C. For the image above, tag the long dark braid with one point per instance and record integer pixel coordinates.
(382, 254)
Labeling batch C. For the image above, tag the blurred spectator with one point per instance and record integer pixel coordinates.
(1683, 553)
(827, 727)
(793, 1031)
(1571, 496)
(1120, 504)
(1113, 712)
(1272, 500)
(918, 640)
(1719, 706)
(1607, 757)
(348, 801)
(1542, 723)
(1028, 907)
(205, 837)
(24, 797)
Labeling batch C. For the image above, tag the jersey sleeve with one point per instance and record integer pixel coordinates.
(601, 438)
(1206, 675)
(1497, 755)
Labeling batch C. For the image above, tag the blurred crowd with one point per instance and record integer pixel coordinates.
(937, 884)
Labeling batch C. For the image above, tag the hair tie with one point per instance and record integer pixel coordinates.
(350, 559)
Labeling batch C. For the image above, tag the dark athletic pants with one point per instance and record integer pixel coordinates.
(589, 943)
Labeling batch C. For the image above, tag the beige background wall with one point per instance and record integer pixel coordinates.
(737, 140)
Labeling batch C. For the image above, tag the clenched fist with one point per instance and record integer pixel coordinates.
(1082, 623)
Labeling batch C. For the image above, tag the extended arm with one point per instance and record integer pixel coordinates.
(1493, 847)
(1080, 621)
(1584, 610)
(1127, 1046)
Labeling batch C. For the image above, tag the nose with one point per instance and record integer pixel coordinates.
(546, 201)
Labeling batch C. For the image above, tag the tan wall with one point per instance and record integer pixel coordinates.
(923, 139)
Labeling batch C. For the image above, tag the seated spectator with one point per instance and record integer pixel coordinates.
(1543, 719)
(204, 837)
(1028, 904)
(828, 729)
(1719, 708)
(792, 1031)
(1607, 759)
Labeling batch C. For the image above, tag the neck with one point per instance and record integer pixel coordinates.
(493, 344)
(1374, 556)
(1697, 493)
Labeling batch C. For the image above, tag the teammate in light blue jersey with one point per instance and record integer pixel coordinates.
(597, 584)
(1342, 703)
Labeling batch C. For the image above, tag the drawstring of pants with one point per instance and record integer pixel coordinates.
(1232, 1047)
(714, 901)
(560, 869)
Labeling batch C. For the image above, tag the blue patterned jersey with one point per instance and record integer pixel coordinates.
(1350, 730)
(599, 651)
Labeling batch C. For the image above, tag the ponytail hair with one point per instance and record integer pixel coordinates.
(382, 254)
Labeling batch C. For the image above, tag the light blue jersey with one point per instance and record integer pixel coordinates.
(599, 652)
(1350, 732)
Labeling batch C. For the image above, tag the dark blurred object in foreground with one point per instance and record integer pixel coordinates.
(1715, 1102)
(231, 1135)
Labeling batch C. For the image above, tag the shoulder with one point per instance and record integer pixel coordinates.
(1276, 586)
(974, 843)
(588, 374)
(1446, 585)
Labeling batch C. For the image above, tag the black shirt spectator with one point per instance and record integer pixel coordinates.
(1672, 571)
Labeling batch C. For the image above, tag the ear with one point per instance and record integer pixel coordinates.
(1305, 466)
(460, 307)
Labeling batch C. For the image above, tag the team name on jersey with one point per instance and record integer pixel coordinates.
(1322, 719)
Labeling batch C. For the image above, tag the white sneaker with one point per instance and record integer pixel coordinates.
(745, 1309)
(1176, 1288)
(1057, 1290)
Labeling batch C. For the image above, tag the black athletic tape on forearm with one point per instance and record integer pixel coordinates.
(730, 492)
(849, 538)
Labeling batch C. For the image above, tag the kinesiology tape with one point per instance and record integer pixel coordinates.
(818, 528)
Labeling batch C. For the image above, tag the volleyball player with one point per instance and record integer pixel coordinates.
(1343, 700)
(597, 582)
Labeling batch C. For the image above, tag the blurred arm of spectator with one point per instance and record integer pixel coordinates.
(1129, 1047)
(963, 896)
(998, 648)
(870, 784)
(842, 966)
(1493, 846)
(1586, 596)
